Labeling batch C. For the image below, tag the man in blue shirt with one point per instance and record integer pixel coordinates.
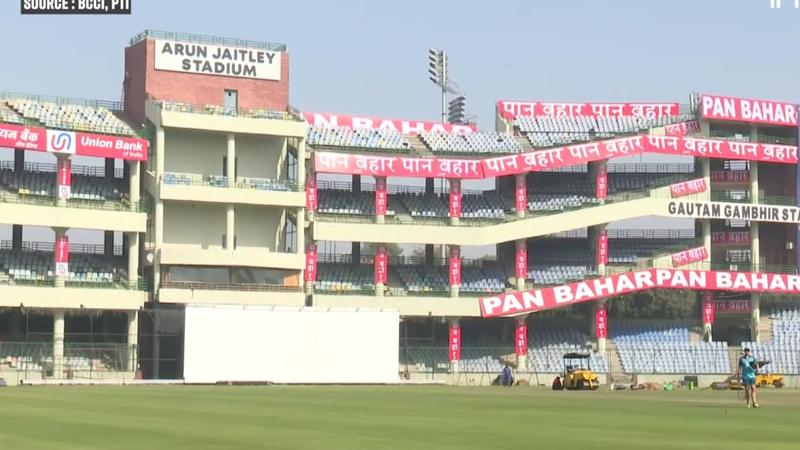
(747, 370)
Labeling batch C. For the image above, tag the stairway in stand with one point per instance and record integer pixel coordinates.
(616, 373)
(418, 146)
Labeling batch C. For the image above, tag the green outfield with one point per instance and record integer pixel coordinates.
(399, 417)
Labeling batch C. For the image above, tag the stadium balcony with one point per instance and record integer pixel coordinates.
(341, 137)
(220, 189)
(482, 142)
(96, 202)
(288, 123)
(667, 349)
(783, 352)
(345, 278)
(548, 342)
(65, 113)
(94, 281)
(545, 132)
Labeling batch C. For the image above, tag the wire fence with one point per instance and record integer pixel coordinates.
(83, 360)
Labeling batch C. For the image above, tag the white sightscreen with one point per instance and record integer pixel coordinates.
(252, 343)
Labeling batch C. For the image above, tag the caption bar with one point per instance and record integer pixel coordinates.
(57, 7)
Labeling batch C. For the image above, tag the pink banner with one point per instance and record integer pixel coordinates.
(521, 338)
(748, 110)
(601, 322)
(72, 142)
(381, 265)
(61, 255)
(455, 266)
(311, 263)
(64, 169)
(708, 308)
(682, 129)
(730, 176)
(510, 109)
(514, 303)
(397, 166)
(312, 201)
(689, 256)
(327, 120)
(688, 187)
(730, 238)
(521, 259)
(454, 352)
(521, 193)
(552, 158)
(602, 247)
(601, 180)
(732, 306)
(455, 198)
(380, 196)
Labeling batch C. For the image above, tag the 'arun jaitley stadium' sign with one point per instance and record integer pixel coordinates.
(217, 60)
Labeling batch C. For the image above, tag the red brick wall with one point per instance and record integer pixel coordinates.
(201, 89)
(135, 80)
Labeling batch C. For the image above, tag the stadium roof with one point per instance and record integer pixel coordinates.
(207, 39)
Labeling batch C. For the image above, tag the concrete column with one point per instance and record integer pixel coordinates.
(133, 340)
(158, 244)
(133, 257)
(453, 364)
(16, 238)
(522, 360)
(59, 157)
(755, 316)
(59, 279)
(58, 343)
(754, 182)
(301, 161)
(520, 178)
(429, 186)
(134, 182)
(108, 243)
(301, 233)
(355, 253)
(380, 289)
(110, 165)
(230, 170)
(601, 342)
(230, 227)
(706, 224)
(19, 160)
(520, 281)
(755, 246)
(160, 151)
(597, 231)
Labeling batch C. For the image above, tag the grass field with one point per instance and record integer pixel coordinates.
(400, 417)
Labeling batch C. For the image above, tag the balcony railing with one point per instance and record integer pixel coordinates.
(89, 171)
(48, 247)
(118, 283)
(244, 287)
(261, 184)
(206, 39)
(290, 113)
(124, 205)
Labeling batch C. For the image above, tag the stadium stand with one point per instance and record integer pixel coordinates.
(43, 184)
(422, 205)
(783, 352)
(478, 142)
(667, 349)
(477, 280)
(38, 266)
(551, 131)
(548, 342)
(361, 138)
(69, 116)
(420, 279)
(338, 277)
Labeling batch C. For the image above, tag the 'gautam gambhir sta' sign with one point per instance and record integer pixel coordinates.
(217, 60)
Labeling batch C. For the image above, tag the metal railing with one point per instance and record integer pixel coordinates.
(290, 114)
(221, 181)
(119, 282)
(40, 200)
(244, 287)
(357, 149)
(89, 171)
(48, 247)
(85, 360)
(206, 39)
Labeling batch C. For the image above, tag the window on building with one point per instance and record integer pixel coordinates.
(290, 236)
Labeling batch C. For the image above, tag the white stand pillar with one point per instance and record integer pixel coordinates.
(453, 364)
(133, 258)
(522, 360)
(755, 316)
(133, 340)
(58, 344)
(59, 279)
(230, 227)
(230, 169)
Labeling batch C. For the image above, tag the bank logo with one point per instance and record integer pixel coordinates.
(61, 141)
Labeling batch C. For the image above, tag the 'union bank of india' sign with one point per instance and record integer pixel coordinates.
(217, 60)
(742, 211)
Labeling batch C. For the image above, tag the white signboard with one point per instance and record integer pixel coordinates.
(220, 60)
(740, 211)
